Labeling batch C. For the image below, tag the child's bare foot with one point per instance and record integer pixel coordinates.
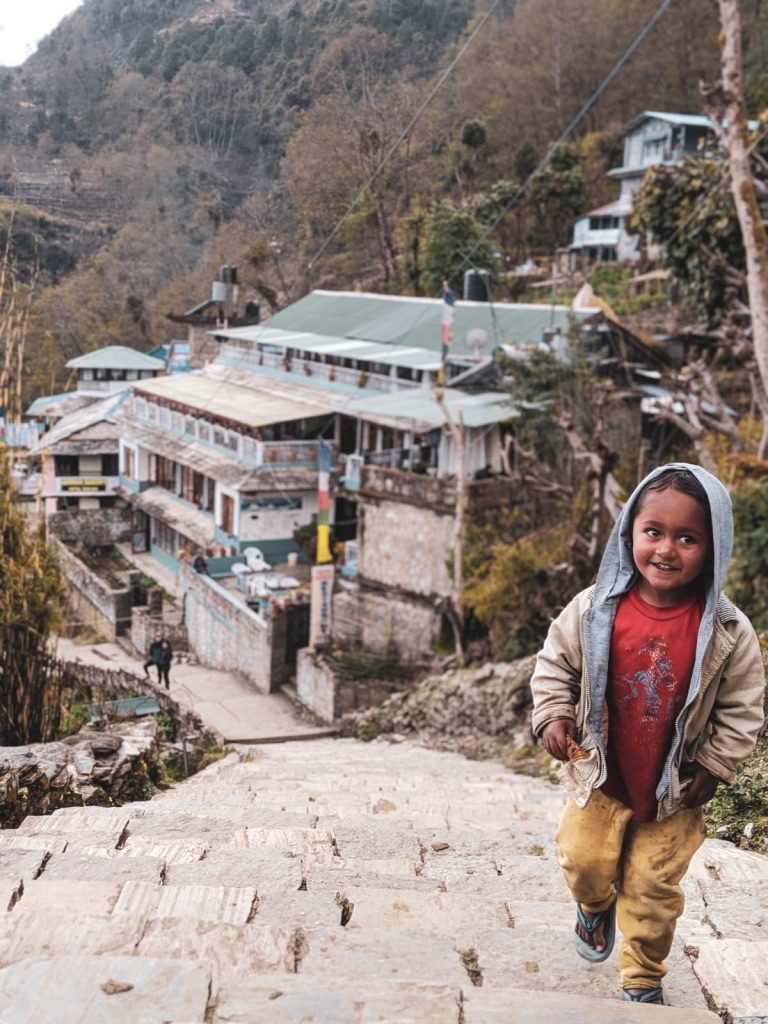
(595, 938)
(595, 933)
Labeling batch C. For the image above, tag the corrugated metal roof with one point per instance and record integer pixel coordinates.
(155, 501)
(116, 357)
(227, 400)
(328, 318)
(104, 410)
(421, 411)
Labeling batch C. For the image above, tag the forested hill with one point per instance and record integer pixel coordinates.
(152, 140)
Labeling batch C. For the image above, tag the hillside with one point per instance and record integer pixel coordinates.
(194, 132)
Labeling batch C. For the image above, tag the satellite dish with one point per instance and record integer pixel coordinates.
(477, 338)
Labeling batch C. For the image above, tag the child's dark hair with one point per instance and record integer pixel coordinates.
(681, 480)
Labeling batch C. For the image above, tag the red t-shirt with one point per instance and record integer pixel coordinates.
(652, 655)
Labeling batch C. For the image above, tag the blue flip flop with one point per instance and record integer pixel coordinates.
(649, 995)
(589, 922)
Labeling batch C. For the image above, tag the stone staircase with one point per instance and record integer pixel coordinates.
(333, 882)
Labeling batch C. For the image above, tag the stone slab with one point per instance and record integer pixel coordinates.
(79, 867)
(225, 904)
(94, 898)
(303, 909)
(244, 951)
(735, 973)
(46, 936)
(76, 820)
(381, 954)
(440, 913)
(515, 1006)
(76, 990)
(179, 851)
(296, 999)
(538, 955)
(268, 870)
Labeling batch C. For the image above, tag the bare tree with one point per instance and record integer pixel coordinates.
(745, 194)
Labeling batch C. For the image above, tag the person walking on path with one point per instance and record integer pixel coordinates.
(153, 657)
(649, 687)
(165, 660)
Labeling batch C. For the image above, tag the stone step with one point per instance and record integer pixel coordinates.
(344, 884)
(514, 1006)
(93, 990)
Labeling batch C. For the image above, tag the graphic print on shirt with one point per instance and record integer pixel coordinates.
(652, 683)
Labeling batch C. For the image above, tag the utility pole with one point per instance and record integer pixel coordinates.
(459, 435)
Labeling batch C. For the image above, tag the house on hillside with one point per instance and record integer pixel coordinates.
(650, 139)
(79, 451)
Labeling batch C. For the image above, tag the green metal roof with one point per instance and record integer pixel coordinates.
(419, 407)
(116, 357)
(412, 325)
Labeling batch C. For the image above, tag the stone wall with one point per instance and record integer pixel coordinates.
(94, 767)
(227, 635)
(328, 695)
(405, 547)
(372, 618)
(108, 610)
(102, 527)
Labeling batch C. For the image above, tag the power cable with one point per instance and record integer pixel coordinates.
(618, 66)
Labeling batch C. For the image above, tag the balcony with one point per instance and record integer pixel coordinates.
(320, 372)
(74, 486)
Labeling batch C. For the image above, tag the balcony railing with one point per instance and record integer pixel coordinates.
(319, 371)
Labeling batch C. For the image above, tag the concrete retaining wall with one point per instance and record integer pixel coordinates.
(102, 527)
(225, 634)
(406, 547)
(330, 696)
(376, 619)
(108, 610)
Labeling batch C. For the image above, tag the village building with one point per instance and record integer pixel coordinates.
(651, 138)
(79, 450)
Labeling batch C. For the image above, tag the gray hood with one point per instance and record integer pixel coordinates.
(617, 573)
(617, 568)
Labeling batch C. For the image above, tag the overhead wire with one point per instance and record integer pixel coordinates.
(405, 132)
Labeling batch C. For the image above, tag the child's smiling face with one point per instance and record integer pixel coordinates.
(670, 546)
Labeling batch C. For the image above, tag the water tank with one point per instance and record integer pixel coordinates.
(477, 285)
(228, 273)
(253, 311)
(219, 292)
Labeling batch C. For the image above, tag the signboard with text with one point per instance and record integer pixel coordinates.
(322, 604)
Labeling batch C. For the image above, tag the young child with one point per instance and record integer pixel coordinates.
(650, 688)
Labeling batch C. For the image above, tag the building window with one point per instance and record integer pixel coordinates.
(165, 473)
(109, 465)
(129, 463)
(67, 465)
(228, 515)
(164, 537)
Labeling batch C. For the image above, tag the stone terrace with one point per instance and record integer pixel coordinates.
(332, 882)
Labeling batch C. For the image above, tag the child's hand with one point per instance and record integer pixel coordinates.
(553, 737)
(702, 787)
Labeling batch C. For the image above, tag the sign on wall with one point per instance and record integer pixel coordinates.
(322, 604)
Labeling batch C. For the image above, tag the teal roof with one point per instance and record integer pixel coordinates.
(400, 329)
(116, 357)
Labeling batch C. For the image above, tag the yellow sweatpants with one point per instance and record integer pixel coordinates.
(601, 848)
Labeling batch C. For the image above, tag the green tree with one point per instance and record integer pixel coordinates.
(31, 591)
(451, 244)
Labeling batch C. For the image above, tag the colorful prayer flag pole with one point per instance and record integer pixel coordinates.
(324, 504)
